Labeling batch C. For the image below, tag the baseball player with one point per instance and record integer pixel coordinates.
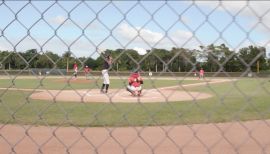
(135, 82)
(106, 80)
(86, 71)
(75, 69)
(195, 73)
(201, 73)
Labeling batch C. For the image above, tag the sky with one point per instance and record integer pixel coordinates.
(90, 27)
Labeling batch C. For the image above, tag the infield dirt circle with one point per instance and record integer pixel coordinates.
(117, 96)
(159, 95)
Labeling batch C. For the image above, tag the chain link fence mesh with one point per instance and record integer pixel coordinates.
(172, 40)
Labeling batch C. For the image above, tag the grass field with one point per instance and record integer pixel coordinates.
(244, 99)
(56, 83)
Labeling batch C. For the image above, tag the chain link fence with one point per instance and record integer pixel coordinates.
(45, 109)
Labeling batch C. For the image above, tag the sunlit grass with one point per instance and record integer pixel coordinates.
(245, 99)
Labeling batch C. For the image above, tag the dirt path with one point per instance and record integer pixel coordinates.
(206, 82)
(225, 138)
(159, 95)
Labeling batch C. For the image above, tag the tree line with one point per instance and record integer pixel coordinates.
(211, 58)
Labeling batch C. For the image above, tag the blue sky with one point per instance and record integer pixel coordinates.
(87, 27)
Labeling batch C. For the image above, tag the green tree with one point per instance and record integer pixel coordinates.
(251, 55)
(229, 59)
(162, 57)
(31, 57)
(66, 57)
(20, 61)
(214, 55)
(182, 59)
(6, 59)
(47, 60)
(90, 62)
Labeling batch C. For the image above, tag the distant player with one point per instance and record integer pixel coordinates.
(201, 73)
(195, 73)
(135, 82)
(150, 74)
(75, 69)
(105, 74)
(86, 72)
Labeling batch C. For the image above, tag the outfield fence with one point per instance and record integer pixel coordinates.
(229, 38)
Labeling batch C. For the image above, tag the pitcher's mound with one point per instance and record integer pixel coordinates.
(119, 96)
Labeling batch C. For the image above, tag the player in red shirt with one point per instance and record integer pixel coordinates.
(135, 82)
(201, 73)
(75, 69)
(86, 72)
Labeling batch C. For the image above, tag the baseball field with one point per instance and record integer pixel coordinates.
(58, 101)
(185, 115)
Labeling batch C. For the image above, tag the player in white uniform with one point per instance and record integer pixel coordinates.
(106, 79)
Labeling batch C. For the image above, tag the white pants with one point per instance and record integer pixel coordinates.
(105, 75)
(75, 71)
(201, 75)
(132, 88)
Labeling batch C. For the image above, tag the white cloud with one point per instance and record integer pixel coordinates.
(101, 50)
(151, 37)
(141, 51)
(233, 6)
(267, 47)
(57, 20)
(60, 19)
(128, 32)
(180, 36)
(185, 20)
(2, 47)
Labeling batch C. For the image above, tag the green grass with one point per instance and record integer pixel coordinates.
(53, 83)
(245, 99)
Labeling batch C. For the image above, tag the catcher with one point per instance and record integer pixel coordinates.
(135, 82)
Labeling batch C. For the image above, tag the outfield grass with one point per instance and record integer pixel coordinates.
(245, 99)
(56, 83)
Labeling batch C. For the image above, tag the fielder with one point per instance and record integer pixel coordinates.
(86, 72)
(201, 73)
(75, 69)
(135, 82)
(195, 73)
(105, 75)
